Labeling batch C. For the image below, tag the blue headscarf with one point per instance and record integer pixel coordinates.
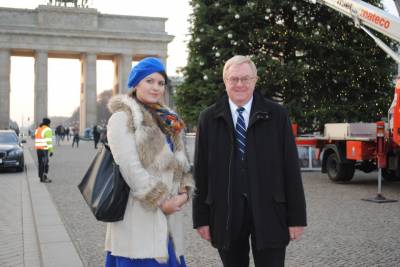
(144, 68)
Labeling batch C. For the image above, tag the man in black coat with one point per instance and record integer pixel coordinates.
(247, 173)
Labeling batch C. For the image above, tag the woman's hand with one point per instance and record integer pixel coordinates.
(173, 204)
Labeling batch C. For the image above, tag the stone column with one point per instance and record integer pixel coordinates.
(122, 68)
(41, 90)
(167, 95)
(88, 103)
(5, 63)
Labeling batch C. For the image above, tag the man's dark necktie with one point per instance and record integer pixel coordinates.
(240, 132)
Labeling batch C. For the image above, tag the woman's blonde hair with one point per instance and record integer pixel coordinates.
(238, 60)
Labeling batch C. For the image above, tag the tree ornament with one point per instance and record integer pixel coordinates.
(230, 35)
(237, 16)
(197, 40)
(251, 4)
(220, 27)
(294, 8)
(205, 77)
(217, 54)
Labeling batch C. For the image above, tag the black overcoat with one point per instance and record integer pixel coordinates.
(274, 179)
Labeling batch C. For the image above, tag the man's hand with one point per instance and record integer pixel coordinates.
(51, 154)
(204, 232)
(295, 232)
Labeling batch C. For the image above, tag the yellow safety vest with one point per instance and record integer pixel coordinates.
(44, 138)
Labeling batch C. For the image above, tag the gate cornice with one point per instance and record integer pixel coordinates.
(64, 29)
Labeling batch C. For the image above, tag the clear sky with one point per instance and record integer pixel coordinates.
(64, 75)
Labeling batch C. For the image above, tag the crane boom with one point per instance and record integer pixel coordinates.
(365, 14)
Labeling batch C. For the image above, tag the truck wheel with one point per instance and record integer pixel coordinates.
(350, 169)
(338, 172)
(390, 175)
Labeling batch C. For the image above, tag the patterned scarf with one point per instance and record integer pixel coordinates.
(169, 123)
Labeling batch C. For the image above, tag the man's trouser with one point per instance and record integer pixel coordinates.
(75, 140)
(43, 159)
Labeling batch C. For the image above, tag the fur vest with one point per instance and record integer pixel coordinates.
(153, 172)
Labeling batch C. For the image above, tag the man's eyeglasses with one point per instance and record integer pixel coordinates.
(246, 80)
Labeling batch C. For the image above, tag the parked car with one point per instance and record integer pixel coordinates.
(11, 152)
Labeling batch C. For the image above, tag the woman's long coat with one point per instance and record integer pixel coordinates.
(276, 190)
(152, 172)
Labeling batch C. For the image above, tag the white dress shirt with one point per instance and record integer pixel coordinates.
(245, 113)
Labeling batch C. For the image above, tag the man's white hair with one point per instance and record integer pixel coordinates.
(238, 60)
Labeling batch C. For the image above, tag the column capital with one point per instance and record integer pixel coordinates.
(88, 55)
(41, 51)
(5, 50)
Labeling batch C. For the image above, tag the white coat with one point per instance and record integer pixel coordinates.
(153, 172)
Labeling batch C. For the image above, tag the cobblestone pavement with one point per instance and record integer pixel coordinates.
(342, 231)
(11, 230)
(18, 238)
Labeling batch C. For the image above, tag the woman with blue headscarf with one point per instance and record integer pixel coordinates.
(146, 140)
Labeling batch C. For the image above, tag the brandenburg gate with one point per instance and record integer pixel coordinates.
(78, 33)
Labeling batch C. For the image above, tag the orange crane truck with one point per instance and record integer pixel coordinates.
(344, 147)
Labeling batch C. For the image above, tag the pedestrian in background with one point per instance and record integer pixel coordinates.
(103, 134)
(75, 137)
(67, 133)
(58, 134)
(146, 140)
(96, 136)
(247, 173)
(44, 149)
(62, 133)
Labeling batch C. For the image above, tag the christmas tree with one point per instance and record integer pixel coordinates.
(309, 58)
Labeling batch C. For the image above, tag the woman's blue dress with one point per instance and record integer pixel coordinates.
(117, 261)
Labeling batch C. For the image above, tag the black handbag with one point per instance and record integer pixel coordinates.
(104, 189)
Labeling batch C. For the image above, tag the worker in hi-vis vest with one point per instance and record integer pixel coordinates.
(44, 148)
